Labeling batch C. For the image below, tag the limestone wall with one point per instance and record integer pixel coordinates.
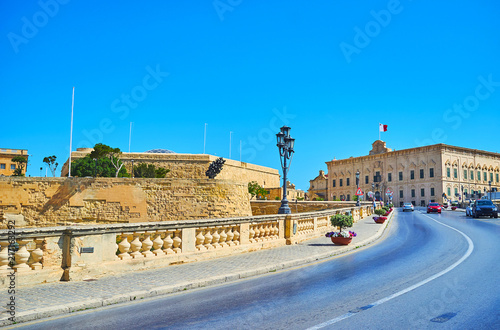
(193, 166)
(62, 201)
(260, 207)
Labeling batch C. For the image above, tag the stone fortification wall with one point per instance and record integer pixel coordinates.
(62, 201)
(262, 207)
(191, 166)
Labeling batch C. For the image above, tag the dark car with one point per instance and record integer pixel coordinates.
(433, 207)
(484, 207)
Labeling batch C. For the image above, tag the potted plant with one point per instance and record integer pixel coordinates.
(380, 212)
(341, 237)
(453, 208)
(380, 219)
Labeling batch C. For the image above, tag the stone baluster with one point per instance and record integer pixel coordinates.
(168, 242)
(267, 231)
(124, 247)
(208, 239)
(216, 238)
(147, 244)
(136, 245)
(230, 236)
(200, 239)
(236, 237)
(257, 232)
(223, 237)
(158, 243)
(4, 257)
(251, 234)
(177, 241)
(275, 230)
(37, 254)
(22, 256)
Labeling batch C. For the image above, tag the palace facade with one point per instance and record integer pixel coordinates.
(419, 175)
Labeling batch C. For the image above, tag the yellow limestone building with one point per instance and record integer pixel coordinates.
(419, 175)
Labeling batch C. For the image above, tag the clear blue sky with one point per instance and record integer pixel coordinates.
(331, 70)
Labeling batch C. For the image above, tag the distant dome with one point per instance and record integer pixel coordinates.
(159, 151)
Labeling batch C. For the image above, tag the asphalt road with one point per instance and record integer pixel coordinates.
(431, 271)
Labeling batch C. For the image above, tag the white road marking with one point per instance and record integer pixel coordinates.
(413, 287)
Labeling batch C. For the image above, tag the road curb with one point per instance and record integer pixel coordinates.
(58, 310)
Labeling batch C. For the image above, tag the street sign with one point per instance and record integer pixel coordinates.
(359, 192)
(388, 192)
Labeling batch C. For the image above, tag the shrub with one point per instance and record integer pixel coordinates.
(341, 221)
(380, 212)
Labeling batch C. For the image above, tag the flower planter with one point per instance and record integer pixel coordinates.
(341, 240)
(379, 220)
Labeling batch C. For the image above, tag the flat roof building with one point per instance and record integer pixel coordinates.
(7, 166)
(419, 175)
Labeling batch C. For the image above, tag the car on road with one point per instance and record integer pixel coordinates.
(408, 207)
(468, 211)
(433, 207)
(484, 207)
(454, 203)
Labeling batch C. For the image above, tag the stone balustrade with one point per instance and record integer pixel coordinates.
(48, 254)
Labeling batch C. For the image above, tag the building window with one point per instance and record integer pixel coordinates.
(478, 176)
(340, 183)
(448, 172)
(389, 177)
(491, 177)
(432, 191)
(496, 177)
(334, 197)
(13, 166)
(472, 175)
(421, 173)
(400, 194)
(334, 182)
(465, 174)
(377, 177)
(347, 182)
(431, 172)
(455, 173)
(348, 197)
(400, 176)
(465, 191)
(422, 192)
(449, 192)
(2, 167)
(456, 192)
(412, 175)
(367, 179)
(413, 193)
(485, 176)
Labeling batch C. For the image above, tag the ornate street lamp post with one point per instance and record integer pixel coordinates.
(357, 188)
(285, 145)
(489, 182)
(463, 200)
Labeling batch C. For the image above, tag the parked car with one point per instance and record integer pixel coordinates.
(433, 207)
(408, 207)
(454, 203)
(468, 211)
(484, 207)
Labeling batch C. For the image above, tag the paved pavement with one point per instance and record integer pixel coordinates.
(52, 299)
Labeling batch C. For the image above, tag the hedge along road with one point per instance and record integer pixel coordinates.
(430, 271)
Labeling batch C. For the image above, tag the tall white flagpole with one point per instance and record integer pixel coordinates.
(379, 131)
(230, 144)
(71, 132)
(130, 137)
(205, 138)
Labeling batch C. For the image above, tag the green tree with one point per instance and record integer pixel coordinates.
(342, 221)
(102, 151)
(51, 163)
(101, 167)
(256, 189)
(21, 163)
(149, 171)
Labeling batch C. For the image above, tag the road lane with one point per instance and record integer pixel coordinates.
(416, 249)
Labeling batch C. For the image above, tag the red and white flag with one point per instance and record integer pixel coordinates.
(382, 128)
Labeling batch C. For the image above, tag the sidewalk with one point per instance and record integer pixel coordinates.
(52, 299)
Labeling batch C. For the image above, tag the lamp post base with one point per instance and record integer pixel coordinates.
(284, 208)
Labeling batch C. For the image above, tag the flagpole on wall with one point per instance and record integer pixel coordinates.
(71, 132)
(130, 137)
(379, 131)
